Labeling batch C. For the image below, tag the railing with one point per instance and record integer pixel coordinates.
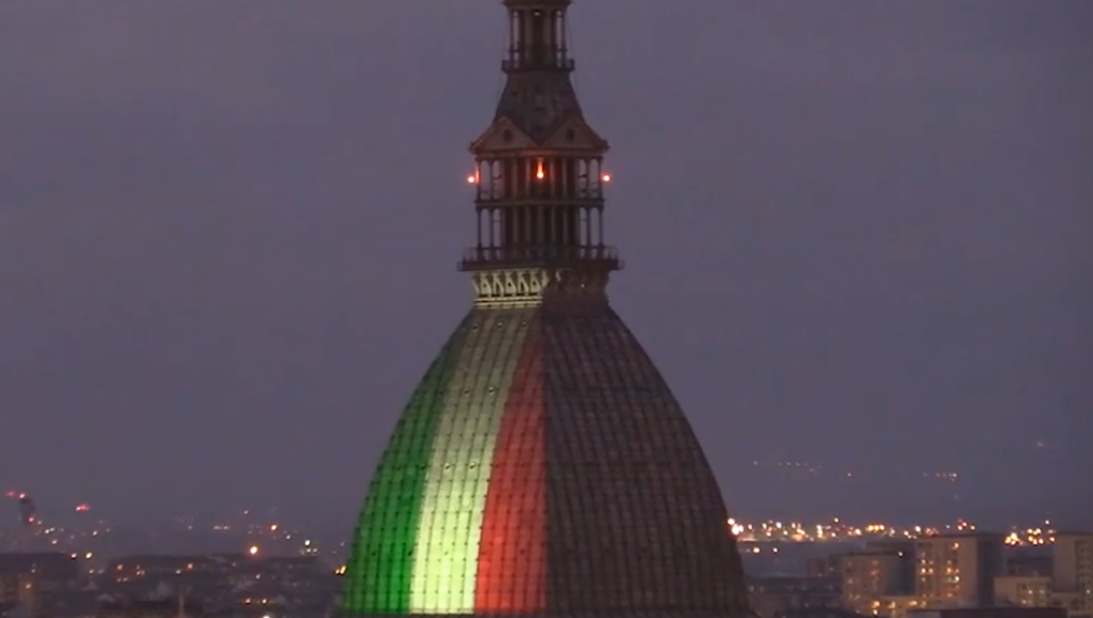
(480, 258)
(585, 199)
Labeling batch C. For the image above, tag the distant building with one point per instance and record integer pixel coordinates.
(779, 597)
(136, 567)
(13, 610)
(870, 576)
(32, 581)
(1023, 590)
(826, 566)
(79, 603)
(1072, 572)
(820, 612)
(1021, 563)
(958, 570)
(897, 606)
(13, 589)
(281, 567)
(166, 608)
(990, 612)
(905, 550)
(52, 566)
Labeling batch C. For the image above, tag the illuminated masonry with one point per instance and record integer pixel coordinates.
(542, 465)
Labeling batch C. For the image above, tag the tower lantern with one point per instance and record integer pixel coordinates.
(539, 178)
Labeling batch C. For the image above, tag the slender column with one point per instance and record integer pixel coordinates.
(512, 178)
(580, 179)
(564, 164)
(555, 39)
(587, 212)
(526, 39)
(589, 184)
(561, 30)
(599, 177)
(551, 178)
(521, 40)
(541, 214)
(552, 224)
(556, 189)
(525, 213)
(599, 210)
(492, 237)
(512, 37)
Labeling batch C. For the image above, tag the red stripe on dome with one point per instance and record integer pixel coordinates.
(512, 571)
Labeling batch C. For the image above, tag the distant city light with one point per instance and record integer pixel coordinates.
(836, 530)
(254, 550)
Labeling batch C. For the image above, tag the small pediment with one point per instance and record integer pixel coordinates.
(502, 136)
(575, 134)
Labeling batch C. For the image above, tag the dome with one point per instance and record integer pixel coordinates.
(543, 466)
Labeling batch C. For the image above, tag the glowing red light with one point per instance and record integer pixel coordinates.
(83, 507)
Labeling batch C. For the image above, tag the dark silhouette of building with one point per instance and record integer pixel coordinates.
(542, 466)
(781, 596)
(151, 608)
(1021, 562)
(53, 566)
(34, 580)
(990, 612)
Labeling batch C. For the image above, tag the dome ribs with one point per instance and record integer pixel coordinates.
(512, 566)
(449, 531)
(543, 468)
(384, 544)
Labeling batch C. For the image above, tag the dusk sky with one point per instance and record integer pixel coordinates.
(856, 232)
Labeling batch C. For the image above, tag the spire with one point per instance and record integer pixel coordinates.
(539, 178)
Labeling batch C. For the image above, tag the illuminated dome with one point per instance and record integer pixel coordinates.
(542, 465)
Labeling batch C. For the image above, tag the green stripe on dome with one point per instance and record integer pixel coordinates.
(380, 568)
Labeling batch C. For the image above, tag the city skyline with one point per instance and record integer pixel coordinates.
(224, 277)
